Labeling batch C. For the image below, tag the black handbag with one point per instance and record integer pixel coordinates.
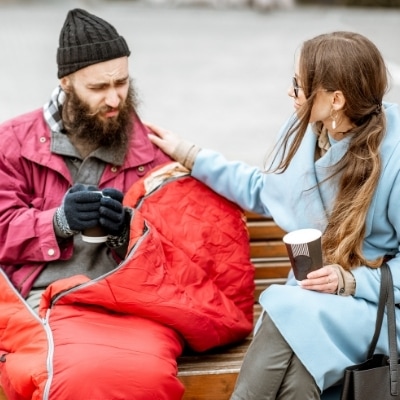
(378, 377)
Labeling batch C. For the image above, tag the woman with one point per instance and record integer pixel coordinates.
(335, 168)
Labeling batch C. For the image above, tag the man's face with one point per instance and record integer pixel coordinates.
(102, 86)
(99, 104)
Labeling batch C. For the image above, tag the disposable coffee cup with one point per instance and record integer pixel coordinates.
(97, 233)
(304, 250)
(94, 235)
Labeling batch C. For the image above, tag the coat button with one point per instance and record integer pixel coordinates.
(114, 169)
(42, 139)
(51, 252)
(141, 168)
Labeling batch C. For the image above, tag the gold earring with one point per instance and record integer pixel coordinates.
(334, 117)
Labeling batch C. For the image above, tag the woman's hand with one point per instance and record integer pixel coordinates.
(323, 280)
(165, 140)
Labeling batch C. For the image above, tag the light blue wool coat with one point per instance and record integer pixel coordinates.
(327, 332)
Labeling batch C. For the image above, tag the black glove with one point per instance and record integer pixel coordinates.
(113, 217)
(81, 207)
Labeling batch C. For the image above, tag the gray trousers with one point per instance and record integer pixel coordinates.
(271, 371)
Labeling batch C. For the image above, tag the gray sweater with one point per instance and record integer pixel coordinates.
(90, 259)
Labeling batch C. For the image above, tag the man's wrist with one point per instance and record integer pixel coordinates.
(61, 226)
(116, 241)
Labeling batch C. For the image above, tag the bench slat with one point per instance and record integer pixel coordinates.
(271, 270)
(251, 216)
(266, 249)
(262, 230)
(211, 386)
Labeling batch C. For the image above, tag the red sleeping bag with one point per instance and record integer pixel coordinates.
(187, 280)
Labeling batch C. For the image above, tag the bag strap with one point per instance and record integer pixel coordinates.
(383, 294)
(391, 315)
(386, 297)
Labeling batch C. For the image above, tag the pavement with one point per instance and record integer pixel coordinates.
(217, 75)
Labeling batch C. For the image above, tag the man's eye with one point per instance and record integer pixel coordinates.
(122, 83)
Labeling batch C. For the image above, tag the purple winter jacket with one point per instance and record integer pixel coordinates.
(33, 182)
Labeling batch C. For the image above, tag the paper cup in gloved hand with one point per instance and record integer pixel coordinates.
(97, 233)
(305, 252)
(94, 235)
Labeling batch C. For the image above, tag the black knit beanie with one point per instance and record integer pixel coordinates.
(85, 40)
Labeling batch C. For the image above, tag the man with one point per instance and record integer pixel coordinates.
(87, 137)
(107, 319)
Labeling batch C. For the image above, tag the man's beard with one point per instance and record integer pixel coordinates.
(91, 129)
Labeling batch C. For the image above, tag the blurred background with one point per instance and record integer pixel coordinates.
(215, 71)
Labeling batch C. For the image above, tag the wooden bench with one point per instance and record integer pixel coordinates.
(212, 375)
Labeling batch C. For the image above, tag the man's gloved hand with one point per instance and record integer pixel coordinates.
(113, 216)
(81, 207)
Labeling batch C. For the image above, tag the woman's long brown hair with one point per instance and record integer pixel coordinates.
(351, 63)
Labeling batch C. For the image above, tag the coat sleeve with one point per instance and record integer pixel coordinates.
(26, 215)
(235, 180)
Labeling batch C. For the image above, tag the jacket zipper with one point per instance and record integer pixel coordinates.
(50, 354)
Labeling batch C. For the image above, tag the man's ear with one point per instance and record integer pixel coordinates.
(338, 100)
(65, 83)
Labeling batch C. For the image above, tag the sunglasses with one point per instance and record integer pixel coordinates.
(296, 87)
